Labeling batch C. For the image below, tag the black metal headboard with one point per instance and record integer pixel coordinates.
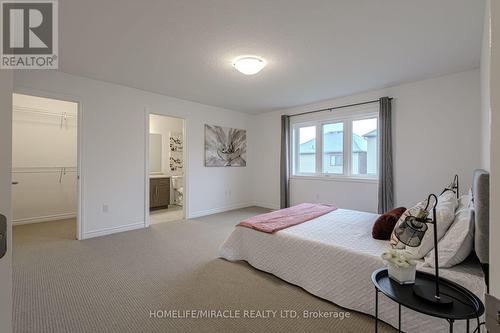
(453, 186)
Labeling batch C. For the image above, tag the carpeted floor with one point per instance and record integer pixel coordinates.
(112, 283)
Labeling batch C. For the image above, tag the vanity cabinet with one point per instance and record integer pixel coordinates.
(159, 192)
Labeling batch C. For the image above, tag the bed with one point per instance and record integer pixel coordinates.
(333, 256)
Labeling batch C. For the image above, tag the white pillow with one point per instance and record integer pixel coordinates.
(465, 201)
(457, 243)
(445, 214)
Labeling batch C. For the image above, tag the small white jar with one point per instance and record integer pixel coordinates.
(402, 275)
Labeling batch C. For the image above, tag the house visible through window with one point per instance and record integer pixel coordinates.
(336, 160)
(348, 147)
(364, 147)
(333, 148)
(307, 149)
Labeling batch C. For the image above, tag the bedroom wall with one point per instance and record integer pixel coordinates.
(437, 133)
(114, 154)
(495, 150)
(485, 90)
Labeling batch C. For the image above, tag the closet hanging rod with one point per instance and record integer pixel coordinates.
(42, 111)
(45, 167)
(44, 171)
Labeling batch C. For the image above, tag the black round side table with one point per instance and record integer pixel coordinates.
(466, 305)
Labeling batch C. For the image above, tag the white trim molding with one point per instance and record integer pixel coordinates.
(266, 205)
(38, 219)
(113, 230)
(334, 178)
(212, 211)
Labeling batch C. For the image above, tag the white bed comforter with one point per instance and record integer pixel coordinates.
(333, 257)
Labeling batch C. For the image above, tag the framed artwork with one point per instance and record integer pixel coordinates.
(176, 149)
(225, 147)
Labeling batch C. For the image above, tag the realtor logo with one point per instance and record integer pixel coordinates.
(29, 34)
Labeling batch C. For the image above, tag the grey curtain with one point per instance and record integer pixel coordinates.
(285, 162)
(386, 182)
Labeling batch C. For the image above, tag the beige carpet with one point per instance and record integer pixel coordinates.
(110, 284)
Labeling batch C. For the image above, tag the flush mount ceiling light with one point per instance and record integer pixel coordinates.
(249, 65)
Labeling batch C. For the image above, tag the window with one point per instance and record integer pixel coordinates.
(341, 146)
(364, 147)
(307, 150)
(333, 148)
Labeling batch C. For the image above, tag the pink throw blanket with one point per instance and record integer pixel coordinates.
(284, 218)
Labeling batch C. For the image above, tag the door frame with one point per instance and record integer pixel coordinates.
(80, 220)
(147, 113)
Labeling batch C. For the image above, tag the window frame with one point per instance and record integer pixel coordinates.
(319, 120)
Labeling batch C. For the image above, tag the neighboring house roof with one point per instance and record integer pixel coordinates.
(370, 134)
(333, 143)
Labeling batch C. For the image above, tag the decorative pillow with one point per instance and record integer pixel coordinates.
(457, 243)
(413, 211)
(465, 201)
(445, 214)
(383, 226)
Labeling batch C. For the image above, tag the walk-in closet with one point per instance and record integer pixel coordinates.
(44, 162)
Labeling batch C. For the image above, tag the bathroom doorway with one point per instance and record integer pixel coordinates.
(165, 182)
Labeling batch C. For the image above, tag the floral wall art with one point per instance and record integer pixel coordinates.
(225, 147)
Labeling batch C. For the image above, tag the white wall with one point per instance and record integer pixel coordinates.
(5, 197)
(113, 155)
(164, 126)
(495, 151)
(437, 130)
(485, 90)
(41, 145)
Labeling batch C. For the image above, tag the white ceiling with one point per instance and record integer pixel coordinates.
(315, 49)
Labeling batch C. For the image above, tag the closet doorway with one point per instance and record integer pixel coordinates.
(45, 172)
(165, 169)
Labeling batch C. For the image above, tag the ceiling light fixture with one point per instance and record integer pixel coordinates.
(249, 65)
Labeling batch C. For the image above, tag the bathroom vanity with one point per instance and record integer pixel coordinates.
(159, 192)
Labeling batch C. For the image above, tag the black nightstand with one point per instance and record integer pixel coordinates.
(466, 305)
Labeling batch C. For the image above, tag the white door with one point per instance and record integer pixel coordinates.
(6, 89)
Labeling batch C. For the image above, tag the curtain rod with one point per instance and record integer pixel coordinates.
(336, 107)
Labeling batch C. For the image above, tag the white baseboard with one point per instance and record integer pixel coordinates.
(206, 212)
(113, 230)
(47, 218)
(266, 205)
(139, 225)
(231, 207)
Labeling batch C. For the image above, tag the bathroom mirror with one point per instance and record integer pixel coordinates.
(155, 150)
